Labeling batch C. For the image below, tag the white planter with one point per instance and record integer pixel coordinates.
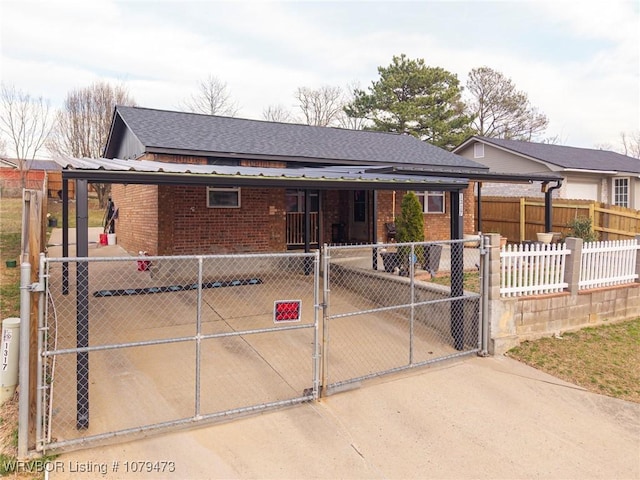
(544, 237)
(468, 236)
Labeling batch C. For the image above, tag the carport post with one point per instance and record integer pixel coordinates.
(82, 304)
(457, 270)
(65, 235)
(307, 231)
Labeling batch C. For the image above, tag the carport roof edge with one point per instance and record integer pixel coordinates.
(331, 177)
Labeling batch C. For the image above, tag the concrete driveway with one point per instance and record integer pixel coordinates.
(470, 418)
(473, 418)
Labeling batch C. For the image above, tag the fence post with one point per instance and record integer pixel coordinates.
(523, 220)
(494, 266)
(637, 261)
(572, 264)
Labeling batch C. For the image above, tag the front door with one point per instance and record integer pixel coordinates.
(359, 216)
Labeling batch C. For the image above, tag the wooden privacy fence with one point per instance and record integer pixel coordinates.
(532, 269)
(519, 219)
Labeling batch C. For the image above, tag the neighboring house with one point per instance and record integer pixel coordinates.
(588, 174)
(10, 178)
(186, 183)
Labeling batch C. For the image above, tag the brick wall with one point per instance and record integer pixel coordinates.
(436, 226)
(137, 222)
(258, 226)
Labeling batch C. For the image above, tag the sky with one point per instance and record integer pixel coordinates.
(578, 61)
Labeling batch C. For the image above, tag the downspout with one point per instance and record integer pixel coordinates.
(548, 205)
(479, 209)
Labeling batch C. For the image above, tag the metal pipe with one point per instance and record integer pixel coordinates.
(412, 294)
(325, 317)
(484, 294)
(41, 316)
(198, 337)
(23, 371)
(548, 206)
(316, 333)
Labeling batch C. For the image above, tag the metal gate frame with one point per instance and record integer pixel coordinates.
(325, 339)
(45, 382)
(456, 295)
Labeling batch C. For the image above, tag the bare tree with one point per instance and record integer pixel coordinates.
(213, 98)
(631, 143)
(351, 122)
(277, 113)
(321, 107)
(501, 111)
(25, 121)
(82, 125)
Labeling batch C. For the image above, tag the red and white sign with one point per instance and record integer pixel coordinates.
(287, 311)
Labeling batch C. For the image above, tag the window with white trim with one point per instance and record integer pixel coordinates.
(223, 197)
(621, 192)
(478, 150)
(432, 202)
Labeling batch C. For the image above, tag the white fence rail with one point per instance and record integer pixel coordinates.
(604, 264)
(532, 269)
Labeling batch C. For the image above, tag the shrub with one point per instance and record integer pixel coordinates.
(410, 225)
(580, 227)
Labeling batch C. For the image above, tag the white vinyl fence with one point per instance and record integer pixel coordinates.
(532, 269)
(604, 264)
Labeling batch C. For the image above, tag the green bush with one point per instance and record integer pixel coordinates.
(580, 227)
(410, 225)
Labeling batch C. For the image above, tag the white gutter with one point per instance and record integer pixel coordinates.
(582, 170)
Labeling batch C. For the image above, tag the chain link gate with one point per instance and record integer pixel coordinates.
(134, 344)
(391, 307)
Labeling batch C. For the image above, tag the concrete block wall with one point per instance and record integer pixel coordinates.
(383, 289)
(517, 319)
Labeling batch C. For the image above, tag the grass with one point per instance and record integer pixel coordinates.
(470, 281)
(600, 359)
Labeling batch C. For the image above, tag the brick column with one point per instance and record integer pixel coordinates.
(572, 264)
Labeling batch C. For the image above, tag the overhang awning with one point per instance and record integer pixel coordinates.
(328, 177)
(475, 175)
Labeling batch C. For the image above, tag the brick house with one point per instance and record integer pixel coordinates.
(264, 185)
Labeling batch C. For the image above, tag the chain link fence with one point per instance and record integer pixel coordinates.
(389, 307)
(140, 343)
(132, 344)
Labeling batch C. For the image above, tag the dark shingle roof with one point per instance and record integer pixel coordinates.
(569, 157)
(189, 132)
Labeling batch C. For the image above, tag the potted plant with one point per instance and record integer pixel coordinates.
(544, 237)
(52, 221)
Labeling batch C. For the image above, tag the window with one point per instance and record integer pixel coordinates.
(295, 201)
(478, 150)
(621, 192)
(223, 197)
(432, 202)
